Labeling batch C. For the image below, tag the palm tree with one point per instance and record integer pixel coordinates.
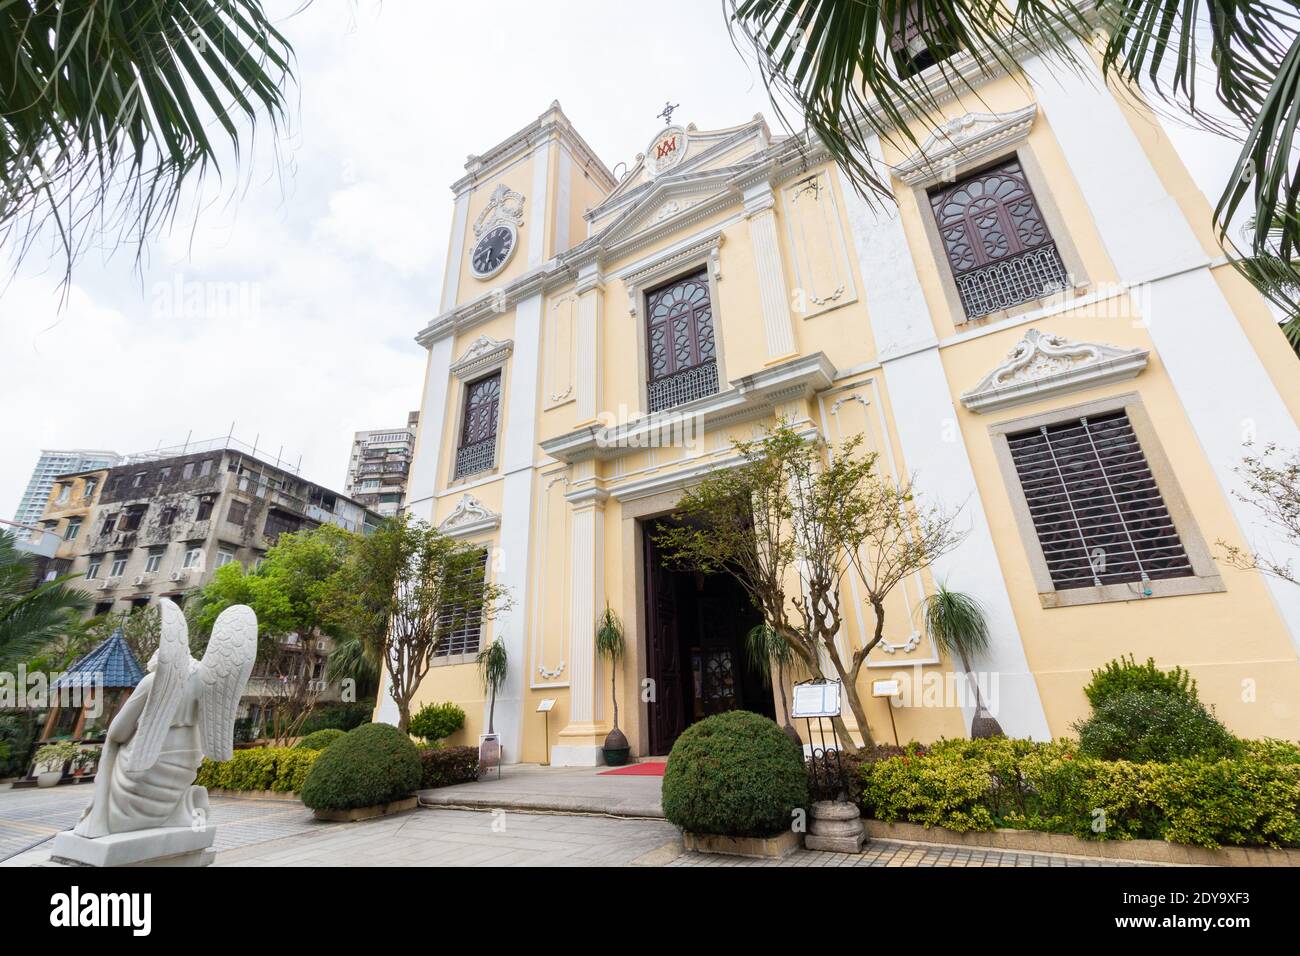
(956, 624)
(107, 107)
(852, 70)
(32, 617)
(492, 665)
(766, 650)
(609, 645)
(356, 660)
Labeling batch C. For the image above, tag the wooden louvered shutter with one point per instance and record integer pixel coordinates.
(1094, 503)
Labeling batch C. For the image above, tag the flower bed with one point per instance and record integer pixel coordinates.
(980, 785)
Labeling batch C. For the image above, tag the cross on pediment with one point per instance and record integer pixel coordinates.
(667, 114)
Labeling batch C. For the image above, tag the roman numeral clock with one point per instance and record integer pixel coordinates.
(497, 230)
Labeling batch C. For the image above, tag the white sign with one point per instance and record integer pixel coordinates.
(816, 700)
(885, 688)
(546, 705)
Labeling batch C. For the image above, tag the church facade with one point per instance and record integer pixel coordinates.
(1040, 329)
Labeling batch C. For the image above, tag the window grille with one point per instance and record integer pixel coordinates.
(478, 433)
(682, 354)
(1098, 514)
(466, 626)
(997, 243)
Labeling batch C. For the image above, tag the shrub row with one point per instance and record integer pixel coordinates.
(283, 769)
(319, 739)
(338, 717)
(1251, 800)
(444, 766)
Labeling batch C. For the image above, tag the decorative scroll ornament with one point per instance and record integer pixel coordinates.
(483, 354)
(965, 140)
(504, 205)
(1044, 364)
(469, 516)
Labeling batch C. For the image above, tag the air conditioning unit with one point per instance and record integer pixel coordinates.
(104, 585)
(177, 576)
(140, 580)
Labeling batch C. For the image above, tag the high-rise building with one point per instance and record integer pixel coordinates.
(380, 465)
(50, 465)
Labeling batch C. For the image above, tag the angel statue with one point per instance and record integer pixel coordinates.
(182, 711)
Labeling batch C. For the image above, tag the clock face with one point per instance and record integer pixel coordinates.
(492, 251)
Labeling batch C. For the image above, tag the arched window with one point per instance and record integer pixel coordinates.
(997, 243)
(682, 353)
(478, 432)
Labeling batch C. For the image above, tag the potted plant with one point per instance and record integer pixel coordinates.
(492, 666)
(955, 622)
(609, 645)
(766, 650)
(50, 760)
(87, 761)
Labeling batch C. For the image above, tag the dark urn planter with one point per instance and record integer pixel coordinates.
(615, 748)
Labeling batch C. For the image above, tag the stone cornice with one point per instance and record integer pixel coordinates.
(552, 124)
(749, 397)
(1043, 365)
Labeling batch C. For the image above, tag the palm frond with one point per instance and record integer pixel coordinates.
(32, 615)
(107, 107)
(609, 635)
(492, 665)
(955, 622)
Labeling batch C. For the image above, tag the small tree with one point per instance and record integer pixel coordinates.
(610, 646)
(767, 652)
(956, 624)
(798, 509)
(1273, 488)
(407, 588)
(492, 667)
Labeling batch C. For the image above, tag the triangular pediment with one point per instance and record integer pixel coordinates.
(1043, 365)
(694, 151)
(668, 197)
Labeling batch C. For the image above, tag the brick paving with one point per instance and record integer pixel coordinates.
(899, 854)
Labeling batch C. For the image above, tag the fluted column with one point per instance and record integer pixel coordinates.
(773, 297)
(579, 743)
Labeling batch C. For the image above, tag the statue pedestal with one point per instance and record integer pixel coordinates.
(155, 846)
(836, 826)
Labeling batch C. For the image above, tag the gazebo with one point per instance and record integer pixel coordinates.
(84, 700)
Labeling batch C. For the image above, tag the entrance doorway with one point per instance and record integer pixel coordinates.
(695, 647)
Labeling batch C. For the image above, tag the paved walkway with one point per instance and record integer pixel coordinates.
(556, 789)
(284, 833)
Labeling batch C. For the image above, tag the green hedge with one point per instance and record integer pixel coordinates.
(735, 774)
(1252, 800)
(320, 739)
(343, 717)
(444, 766)
(434, 722)
(373, 764)
(283, 769)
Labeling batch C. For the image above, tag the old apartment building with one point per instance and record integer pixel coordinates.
(380, 466)
(158, 525)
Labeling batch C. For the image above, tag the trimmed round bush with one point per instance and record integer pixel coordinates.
(1147, 725)
(434, 722)
(373, 764)
(320, 739)
(735, 774)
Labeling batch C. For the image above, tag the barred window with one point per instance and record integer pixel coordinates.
(478, 430)
(996, 240)
(682, 352)
(466, 625)
(1095, 506)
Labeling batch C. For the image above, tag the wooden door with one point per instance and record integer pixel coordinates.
(666, 711)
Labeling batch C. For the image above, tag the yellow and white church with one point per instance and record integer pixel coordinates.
(1043, 305)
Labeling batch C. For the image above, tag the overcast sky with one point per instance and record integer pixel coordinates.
(335, 255)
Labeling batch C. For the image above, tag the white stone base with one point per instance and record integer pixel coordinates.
(569, 755)
(155, 846)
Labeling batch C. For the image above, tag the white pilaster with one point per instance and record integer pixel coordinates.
(922, 397)
(1224, 388)
(510, 564)
(537, 202)
(456, 253)
(588, 345)
(760, 205)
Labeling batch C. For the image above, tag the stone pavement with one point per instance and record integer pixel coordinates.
(556, 789)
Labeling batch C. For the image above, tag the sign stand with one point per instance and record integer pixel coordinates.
(819, 699)
(544, 708)
(888, 689)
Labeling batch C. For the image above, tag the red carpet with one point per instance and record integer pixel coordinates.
(651, 768)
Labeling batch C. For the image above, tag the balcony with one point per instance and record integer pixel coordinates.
(1014, 281)
(475, 457)
(684, 386)
(111, 541)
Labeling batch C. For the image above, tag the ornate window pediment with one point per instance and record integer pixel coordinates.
(483, 355)
(504, 205)
(963, 142)
(1043, 364)
(469, 517)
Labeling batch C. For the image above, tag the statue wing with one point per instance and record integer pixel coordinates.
(223, 673)
(169, 676)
